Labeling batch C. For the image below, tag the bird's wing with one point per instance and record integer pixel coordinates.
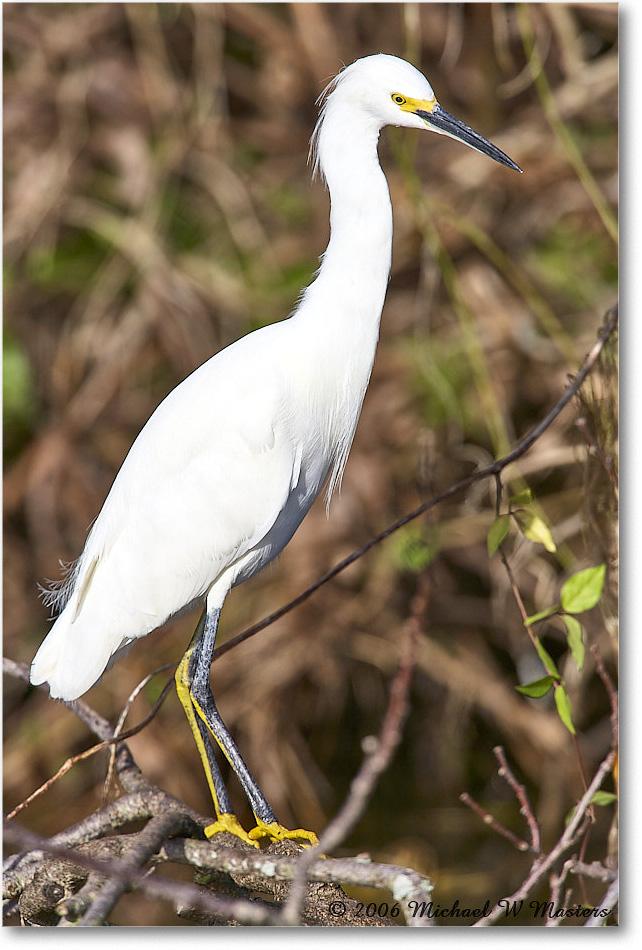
(204, 482)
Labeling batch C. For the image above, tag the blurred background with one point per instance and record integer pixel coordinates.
(158, 205)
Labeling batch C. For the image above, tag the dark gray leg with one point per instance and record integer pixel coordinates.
(200, 662)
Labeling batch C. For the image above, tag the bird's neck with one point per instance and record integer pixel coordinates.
(352, 281)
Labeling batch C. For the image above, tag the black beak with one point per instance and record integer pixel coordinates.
(447, 124)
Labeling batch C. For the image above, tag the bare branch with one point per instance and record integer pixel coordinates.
(375, 762)
(142, 797)
(610, 690)
(607, 904)
(572, 832)
(525, 808)
(492, 822)
(171, 890)
(594, 870)
(258, 871)
(489, 471)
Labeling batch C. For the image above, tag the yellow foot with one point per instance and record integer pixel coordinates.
(230, 823)
(277, 832)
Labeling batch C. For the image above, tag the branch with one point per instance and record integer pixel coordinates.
(571, 834)
(607, 904)
(130, 776)
(268, 872)
(98, 895)
(525, 808)
(373, 765)
(489, 471)
(142, 795)
(242, 911)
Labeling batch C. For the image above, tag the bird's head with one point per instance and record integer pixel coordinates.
(393, 92)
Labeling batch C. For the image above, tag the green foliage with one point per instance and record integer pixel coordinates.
(580, 592)
(535, 529)
(541, 615)
(583, 590)
(537, 688)
(497, 533)
(563, 704)
(413, 550)
(546, 659)
(574, 639)
(531, 524)
(600, 798)
(524, 497)
(603, 798)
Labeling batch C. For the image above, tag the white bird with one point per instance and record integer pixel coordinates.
(228, 465)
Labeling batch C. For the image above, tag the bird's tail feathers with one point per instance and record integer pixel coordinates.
(70, 658)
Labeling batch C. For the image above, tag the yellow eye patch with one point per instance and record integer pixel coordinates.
(413, 105)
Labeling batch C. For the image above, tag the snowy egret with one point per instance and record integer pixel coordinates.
(228, 465)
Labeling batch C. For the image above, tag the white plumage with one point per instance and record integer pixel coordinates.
(227, 467)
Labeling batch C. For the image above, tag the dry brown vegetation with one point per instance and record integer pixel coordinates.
(158, 206)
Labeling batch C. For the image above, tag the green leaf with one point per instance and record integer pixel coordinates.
(546, 659)
(600, 798)
(497, 533)
(563, 704)
(535, 529)
(541, 615)
(574, 638)
(537, 688)
(583, 590)
(415, 548)
(522, 498)
(603, 798)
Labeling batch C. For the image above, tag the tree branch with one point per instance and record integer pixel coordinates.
(571, 834)
(494, 469)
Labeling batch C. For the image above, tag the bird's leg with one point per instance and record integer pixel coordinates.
(200, 692)
(226, 820)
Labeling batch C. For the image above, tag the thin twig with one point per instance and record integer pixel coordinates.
(491, 470)
(594, 870)
(525, 808)
(119, 734)
(571, 834)
(64, 768)
(611, 693)
(375, 762)
(148, 841)
(607, 904)
(98, 725)
(492, 822)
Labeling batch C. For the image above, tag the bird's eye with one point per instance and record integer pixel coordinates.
(400, 100)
